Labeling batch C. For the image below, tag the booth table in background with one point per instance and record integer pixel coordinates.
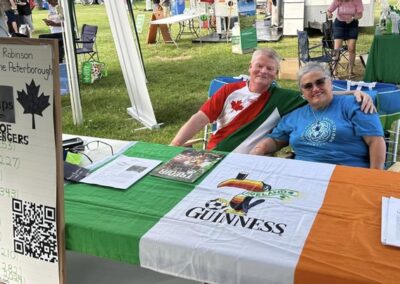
(383, 63)
(186, 25)
(342, 246)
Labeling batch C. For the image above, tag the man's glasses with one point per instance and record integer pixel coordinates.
(91, 147)
(319, 83)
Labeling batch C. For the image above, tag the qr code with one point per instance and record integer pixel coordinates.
(34, 227)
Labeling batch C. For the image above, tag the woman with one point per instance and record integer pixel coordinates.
(345, 26)
(330, 129)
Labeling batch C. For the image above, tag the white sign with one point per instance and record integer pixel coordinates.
(28, 156)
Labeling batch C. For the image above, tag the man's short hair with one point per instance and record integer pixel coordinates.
(267, 52)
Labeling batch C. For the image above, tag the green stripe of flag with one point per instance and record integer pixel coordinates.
(109, 222)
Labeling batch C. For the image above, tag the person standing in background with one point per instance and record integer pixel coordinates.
(25, 14)
(345, 26)
(54, 22)
(10, 9)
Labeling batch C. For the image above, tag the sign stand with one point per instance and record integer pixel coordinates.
(155, 29)
(31, 175)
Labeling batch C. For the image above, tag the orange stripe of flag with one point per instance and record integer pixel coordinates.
(344, 244)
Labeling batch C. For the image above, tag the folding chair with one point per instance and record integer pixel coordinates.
(86, 45)
(339, 56)
(388, 105)
(364, 59)
(304, 51)
(387, 101)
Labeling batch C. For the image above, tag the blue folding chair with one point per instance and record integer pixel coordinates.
(387, 100)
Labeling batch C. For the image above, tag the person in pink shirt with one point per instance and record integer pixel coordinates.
(345, 26)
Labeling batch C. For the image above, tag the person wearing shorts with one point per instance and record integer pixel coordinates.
(11, 13)
(345, 26)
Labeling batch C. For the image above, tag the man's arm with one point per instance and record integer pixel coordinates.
(367, 105)
(268, 146)
(377, 151)
(190, 128)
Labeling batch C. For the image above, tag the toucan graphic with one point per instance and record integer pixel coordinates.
(241, 202)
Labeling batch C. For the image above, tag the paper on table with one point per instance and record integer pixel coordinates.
(385, 202)
(391, 221)
(121, 172)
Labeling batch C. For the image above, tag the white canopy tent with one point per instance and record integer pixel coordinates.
(130, 60)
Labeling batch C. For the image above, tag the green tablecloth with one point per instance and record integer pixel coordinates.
(109, 222)
(383, 63)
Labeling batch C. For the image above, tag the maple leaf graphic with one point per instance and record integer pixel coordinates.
(237, 105)
(32, 102)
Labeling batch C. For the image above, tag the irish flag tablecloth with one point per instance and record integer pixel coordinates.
(269, 220)
(250, 220)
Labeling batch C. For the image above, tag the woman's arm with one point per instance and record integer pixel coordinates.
(332, 8)
(268, 146)
(377, 151)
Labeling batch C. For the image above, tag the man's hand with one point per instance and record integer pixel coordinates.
(367, 105)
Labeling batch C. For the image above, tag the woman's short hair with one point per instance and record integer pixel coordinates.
(267, 52)
(312, 67)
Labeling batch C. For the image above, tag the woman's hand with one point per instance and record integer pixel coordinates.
(329, 14)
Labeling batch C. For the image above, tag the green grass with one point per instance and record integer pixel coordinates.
(178, 78)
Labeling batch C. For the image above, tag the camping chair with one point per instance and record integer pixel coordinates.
(215, 85)
(86, 45)
(339, 56)
(304, 51)
(387, 102)
(364, 59)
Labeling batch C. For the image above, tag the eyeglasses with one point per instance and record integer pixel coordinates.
(319, 83)
(91, 147)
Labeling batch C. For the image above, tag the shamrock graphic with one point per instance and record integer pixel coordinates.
(32, 102)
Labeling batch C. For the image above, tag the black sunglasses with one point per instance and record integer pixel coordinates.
(318, 83)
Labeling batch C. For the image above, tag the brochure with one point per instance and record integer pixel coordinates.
(122, 172)
(188, 166)
(74, 172)
(390, 231)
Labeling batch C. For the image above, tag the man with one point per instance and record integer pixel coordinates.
(245, 111)
(54, 21)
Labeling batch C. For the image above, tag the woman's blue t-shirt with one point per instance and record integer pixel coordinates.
(331, 135)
